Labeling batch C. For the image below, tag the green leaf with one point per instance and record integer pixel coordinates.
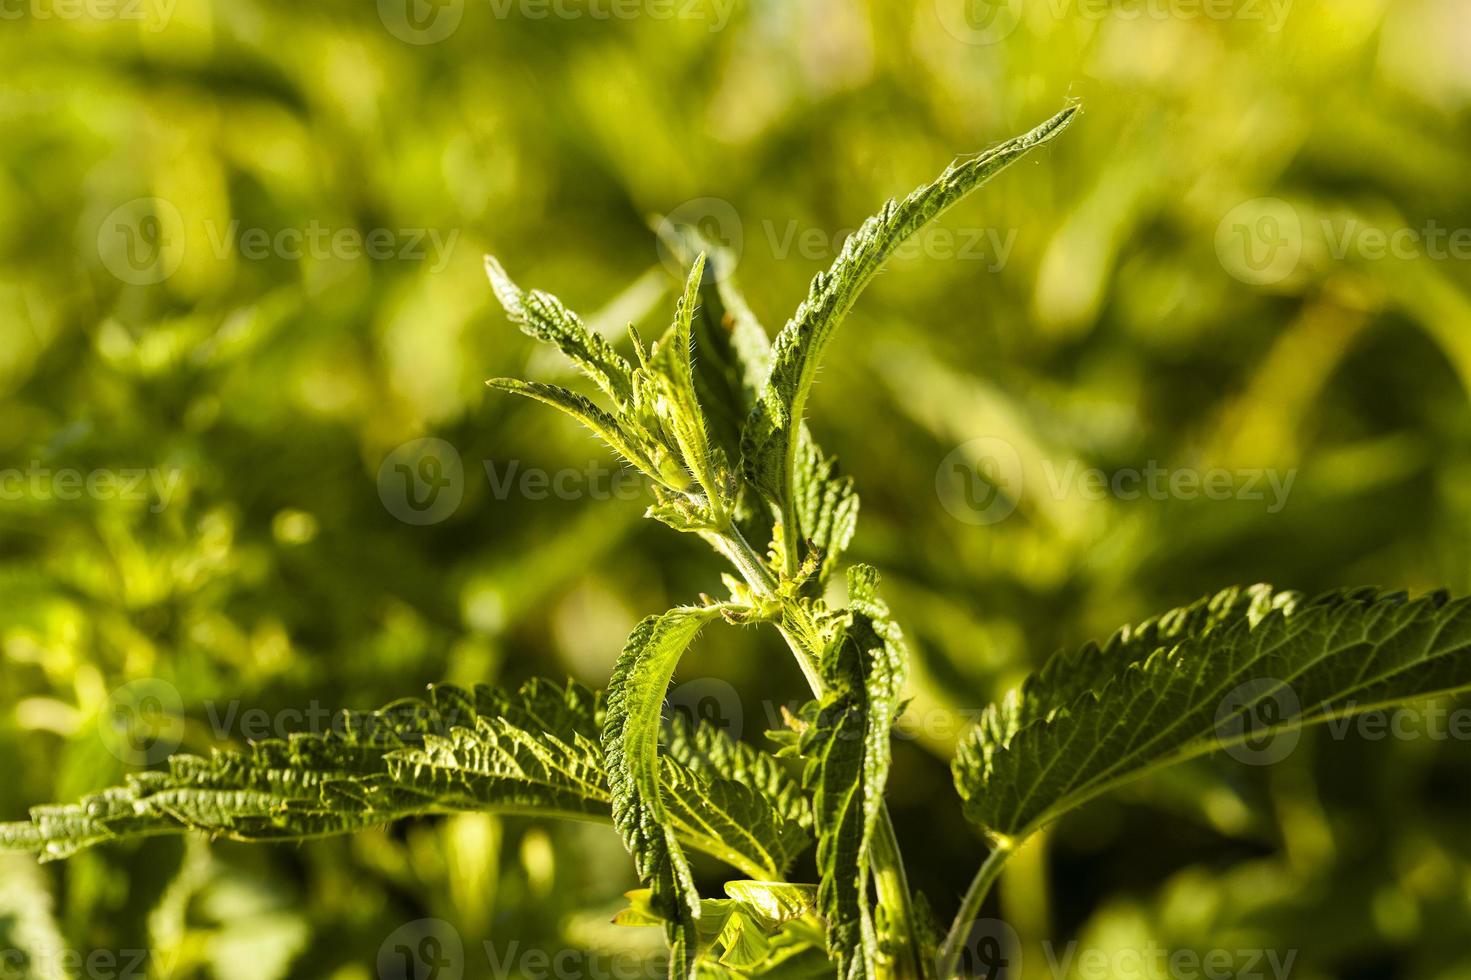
(735, 351)
(739, 794)
(1068, 675)
(763, 929)
(771, 443)
(774, 902)
(631, 743)
(827, 507)
(646, 455)
(542, 316)
(535, 752)
(670, 387)
(1236, 671)
(847, 741)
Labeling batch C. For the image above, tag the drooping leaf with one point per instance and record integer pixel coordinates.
(1240, 671)
(631, 743)
(771, 443)
(846, 740)
(535, 752)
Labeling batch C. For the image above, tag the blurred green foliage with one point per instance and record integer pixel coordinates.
(1087, 306)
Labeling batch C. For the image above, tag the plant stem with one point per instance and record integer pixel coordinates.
(892, 883)
(980, 886)
(887, 863)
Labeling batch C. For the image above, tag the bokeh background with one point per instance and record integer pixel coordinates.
(1191, 278)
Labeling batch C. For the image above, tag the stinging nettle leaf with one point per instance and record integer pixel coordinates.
(1235, 672)
(542, 316)
(771, 442)
(847, 743)
(534, 752)
(651, 459)
(631, 744)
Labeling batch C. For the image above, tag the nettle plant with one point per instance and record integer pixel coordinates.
(713, 415)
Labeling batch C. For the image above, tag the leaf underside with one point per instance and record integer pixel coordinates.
(631, 742)
(533, 752)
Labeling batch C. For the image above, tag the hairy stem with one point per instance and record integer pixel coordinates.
(970, 906)
(890, 878)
